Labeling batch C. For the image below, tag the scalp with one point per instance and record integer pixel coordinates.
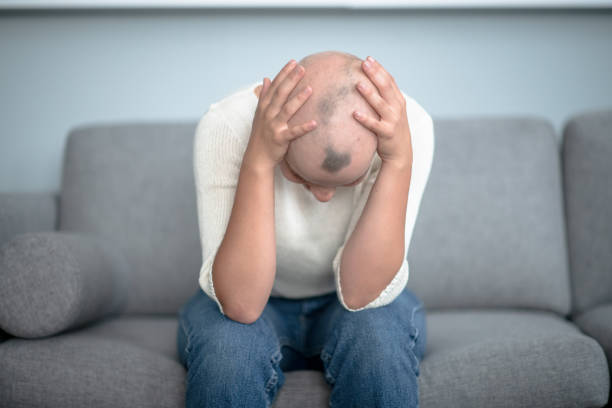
(339, 141)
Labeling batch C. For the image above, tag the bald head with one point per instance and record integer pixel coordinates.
(340, 149)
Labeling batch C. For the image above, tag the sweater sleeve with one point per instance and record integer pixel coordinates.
(422, 139)
(217, 157)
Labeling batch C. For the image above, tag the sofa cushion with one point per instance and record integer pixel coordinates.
(587, 153)
(491, 231)
(80, 370)
(55, 280)
(134, 184)
(528, 358)
(597, 323)
(505, 358)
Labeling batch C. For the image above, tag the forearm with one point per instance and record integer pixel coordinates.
(245, 264)
(374, 252)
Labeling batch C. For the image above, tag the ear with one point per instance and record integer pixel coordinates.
(257, 90)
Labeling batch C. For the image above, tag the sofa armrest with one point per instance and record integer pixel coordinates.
(27, 212)
(587, 173)
(58, 280)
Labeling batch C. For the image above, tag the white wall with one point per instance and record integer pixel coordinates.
(63, 68)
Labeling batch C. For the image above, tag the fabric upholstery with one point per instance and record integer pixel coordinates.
(529, 359)
(77, 370)
(510, 358)
(491, 230)
(587, 158)
(597, 323)
(27, 212)
(52, 281)
(134, 184)
(489, 238)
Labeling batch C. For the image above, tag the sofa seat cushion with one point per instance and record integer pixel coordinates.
(527, 358)
(510, 358)
(597, 323)
(117, 362)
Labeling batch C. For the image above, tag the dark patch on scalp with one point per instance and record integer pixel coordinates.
(327, 106)
(335, 161)
(328, 103)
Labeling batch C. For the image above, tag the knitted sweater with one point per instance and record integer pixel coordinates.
(310, 235)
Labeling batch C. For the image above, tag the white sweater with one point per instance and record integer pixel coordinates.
(310, 235)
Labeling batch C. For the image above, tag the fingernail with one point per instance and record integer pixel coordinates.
(366, 64)
(370, 59)
(358, 114)
(361, 86)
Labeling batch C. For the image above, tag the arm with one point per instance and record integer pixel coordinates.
(245, 265)
(376, 248)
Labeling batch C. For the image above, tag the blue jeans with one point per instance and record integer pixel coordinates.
(370, 358)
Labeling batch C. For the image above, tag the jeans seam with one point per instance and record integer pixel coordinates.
(414, 338)
(326, 357)
(274, 378)
(183, 325)
(413, 325)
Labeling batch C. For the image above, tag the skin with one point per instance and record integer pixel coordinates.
(338, 152)
(283, 134)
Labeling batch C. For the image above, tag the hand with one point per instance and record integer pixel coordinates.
(270, 133)
(392, 130)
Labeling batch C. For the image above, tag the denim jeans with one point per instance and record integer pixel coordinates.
(370, 358)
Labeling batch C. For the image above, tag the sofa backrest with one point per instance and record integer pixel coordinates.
(491, 228)
(587, 160)
(490, 231)
(134, 184)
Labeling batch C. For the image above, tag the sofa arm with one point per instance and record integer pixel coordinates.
(58, 280)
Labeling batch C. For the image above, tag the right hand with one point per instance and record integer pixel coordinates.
(270, 133)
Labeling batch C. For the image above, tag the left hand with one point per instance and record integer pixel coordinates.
(392, 130)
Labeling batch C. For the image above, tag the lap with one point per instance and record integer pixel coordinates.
(204, 329)
(402, 320)
(283, 323)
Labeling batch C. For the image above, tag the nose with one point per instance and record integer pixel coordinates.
(322, 194)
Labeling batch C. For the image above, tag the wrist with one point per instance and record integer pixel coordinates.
(398, 165)
(257, 164)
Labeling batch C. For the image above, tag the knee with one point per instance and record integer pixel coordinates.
(223, 346)
(368, 325)
(247, 355)
(375, 339)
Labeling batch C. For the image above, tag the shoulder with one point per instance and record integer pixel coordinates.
(421, 133)
(236, 110)
(420, 121)
(416, 112)
(237, 101)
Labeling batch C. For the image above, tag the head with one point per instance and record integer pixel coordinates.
(338, 152)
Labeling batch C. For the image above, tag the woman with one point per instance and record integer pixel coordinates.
(307, 198)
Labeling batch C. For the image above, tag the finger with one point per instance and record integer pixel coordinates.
(301, 130)
(381, 78)
(282, 75)
(281, 93)
(369, 122)
(262, 93)
(371, 95)
(264, 87)
(292, 106)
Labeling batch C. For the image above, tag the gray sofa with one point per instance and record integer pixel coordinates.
(511, 254)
